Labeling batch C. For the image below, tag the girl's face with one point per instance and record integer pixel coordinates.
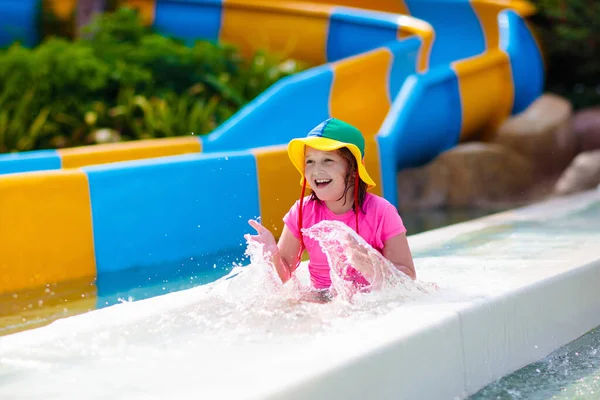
(326, 172)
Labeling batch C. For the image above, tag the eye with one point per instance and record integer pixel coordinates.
(309, 161)
(328, 160)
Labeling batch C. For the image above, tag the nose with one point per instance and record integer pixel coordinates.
(319, 168)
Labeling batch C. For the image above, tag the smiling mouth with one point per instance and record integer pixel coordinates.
(321, 183)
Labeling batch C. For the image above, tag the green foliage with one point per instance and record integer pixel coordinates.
(124, 77)
(570, 34)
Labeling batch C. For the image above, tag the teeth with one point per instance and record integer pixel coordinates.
(322, 180)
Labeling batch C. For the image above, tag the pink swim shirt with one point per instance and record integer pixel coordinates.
(376, 225)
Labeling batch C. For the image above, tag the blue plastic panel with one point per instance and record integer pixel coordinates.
(406, 58)
(29, 161)
(458, 32)
(288, 109)
(189, 20)
(19, 22)
(353, 31)
(159, 211)
(526, 61)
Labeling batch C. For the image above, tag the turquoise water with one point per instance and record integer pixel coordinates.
(572, 372)
(34, 308)
(142, 283)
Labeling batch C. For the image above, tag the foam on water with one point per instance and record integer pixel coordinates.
(248, 304)
(251, 301)
(571, 372)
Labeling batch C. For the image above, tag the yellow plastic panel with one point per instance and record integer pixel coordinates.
(487, 11)
(394, 6)
(45, 229)
(359, 96)
(482, 112)
(278, 186)
(113, 152)
(147, 9)
(290, 29)
(372, 163)
(63, 8)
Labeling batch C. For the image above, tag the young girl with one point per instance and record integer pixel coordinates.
(330, 162)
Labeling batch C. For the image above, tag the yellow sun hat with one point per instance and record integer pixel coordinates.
(329, 135)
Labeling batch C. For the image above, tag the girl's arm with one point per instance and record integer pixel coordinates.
(396, 250)
(284, 255)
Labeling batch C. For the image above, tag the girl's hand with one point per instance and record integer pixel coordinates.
(361, 258)
(264, 237)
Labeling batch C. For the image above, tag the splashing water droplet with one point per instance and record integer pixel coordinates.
(357, 269)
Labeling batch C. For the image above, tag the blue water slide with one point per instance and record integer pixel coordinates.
(458, 32)
(294, 105)
(19, 22)
(189, 20)
(426, 117)
(289, 108)
(527, 64)
(353, 31)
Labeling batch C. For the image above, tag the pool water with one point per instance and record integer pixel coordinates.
(571, 372)
(41, 306)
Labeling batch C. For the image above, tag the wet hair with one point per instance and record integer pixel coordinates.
(350, 179)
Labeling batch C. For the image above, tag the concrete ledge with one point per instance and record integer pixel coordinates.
(509, 332)
(409, 366)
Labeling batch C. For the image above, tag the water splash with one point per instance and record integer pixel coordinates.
(251, 300)
(352, 260)
(249, 305)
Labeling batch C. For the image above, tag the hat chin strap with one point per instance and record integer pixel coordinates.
(356, 200)
(300, 223)
(356, 182)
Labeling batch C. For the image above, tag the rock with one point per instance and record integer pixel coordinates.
(424, 187)
(471, 174)
(586, 127)
(542, 133)
(582, 174)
